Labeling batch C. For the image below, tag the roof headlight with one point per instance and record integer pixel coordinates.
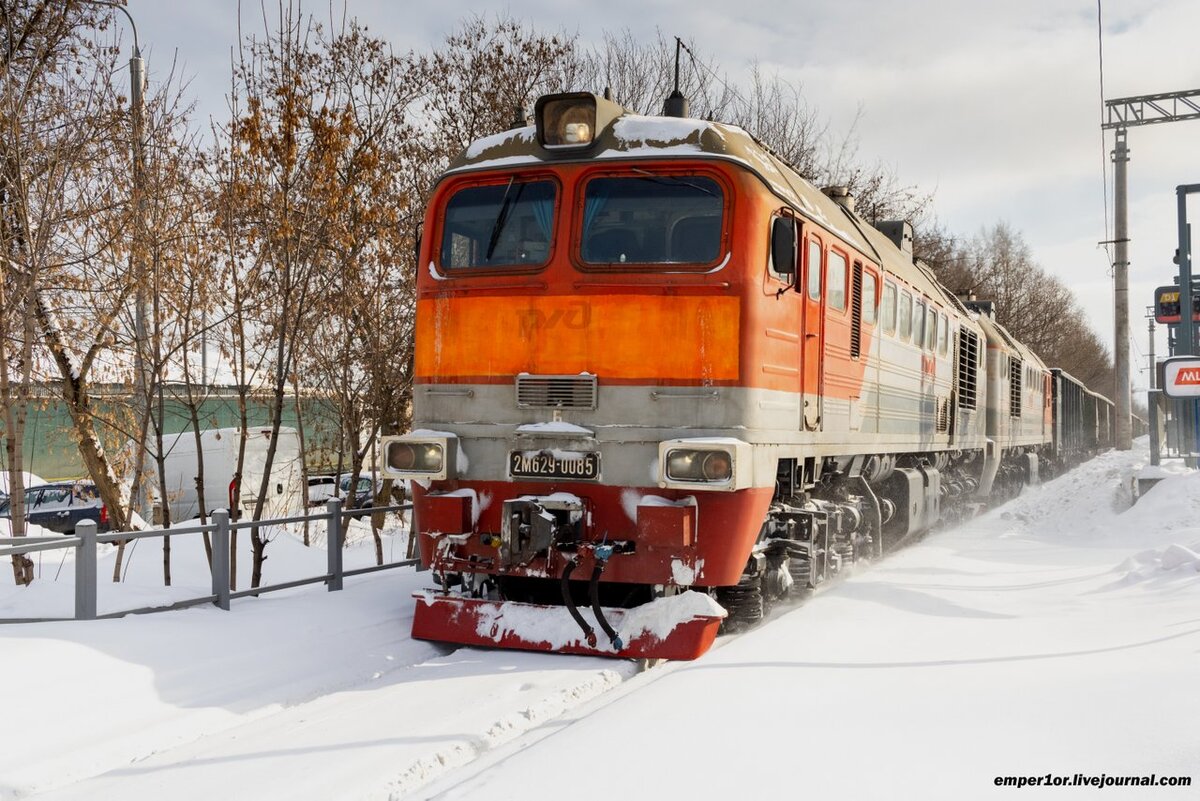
(566, 121)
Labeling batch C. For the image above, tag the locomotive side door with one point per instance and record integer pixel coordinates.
(812, 332)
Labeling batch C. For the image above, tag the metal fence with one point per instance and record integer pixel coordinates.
(86, 539)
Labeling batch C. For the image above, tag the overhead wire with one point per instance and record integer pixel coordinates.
(1104, 175)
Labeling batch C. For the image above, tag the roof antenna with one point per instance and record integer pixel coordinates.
(676, 105)
(518, 120)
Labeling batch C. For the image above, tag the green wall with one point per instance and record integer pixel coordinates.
(50, 450)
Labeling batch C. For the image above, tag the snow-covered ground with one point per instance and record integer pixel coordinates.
(1057, 635)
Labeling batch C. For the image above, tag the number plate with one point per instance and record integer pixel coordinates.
(554, 464)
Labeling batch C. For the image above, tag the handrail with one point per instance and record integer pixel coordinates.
(85, 540)
(68, 542)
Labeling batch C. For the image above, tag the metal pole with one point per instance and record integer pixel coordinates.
(220, 558)
(137, 261)
(1185, 344)
(1152, 408)
(1187, 337)
(137, 256)
(333, 542)
(1121, 389)
(85, 571)
(1153, 363)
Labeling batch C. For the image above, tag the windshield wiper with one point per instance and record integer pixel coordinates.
(502, 217)
(671, 180)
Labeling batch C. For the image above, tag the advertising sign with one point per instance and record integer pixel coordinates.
(1181, 377)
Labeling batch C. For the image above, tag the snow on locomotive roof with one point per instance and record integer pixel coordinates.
(636, 136)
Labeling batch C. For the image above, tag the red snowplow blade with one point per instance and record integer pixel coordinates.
(670, 628)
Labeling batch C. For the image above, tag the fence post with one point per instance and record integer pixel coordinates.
(85, 571)
(220, 559)
(333, 542)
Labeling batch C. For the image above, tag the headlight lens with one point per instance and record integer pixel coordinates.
(568, 121)
(416, 457)
(693, 465)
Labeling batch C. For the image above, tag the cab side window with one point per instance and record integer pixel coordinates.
(815, 268)
(835, 281)
(919, 324)
(943, 336)
(868, 298)
(888, 309)
(906, 316)
(931, 330)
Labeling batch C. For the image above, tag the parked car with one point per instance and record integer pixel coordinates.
(61, 506)
(363, 496)
(321, 489)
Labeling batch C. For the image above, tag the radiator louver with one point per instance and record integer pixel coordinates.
(968, 366)
(556, 391)
(1014, 387)
(856, 312)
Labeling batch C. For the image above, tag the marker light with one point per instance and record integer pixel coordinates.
(685, 464)
(715, 464)
(420, 457)
(417, 457)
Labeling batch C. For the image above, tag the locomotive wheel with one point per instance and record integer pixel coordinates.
(743, 602)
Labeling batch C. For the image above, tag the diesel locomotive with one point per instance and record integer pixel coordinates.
(662, 381)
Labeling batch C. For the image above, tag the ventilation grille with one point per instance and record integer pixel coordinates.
(556, 391)
(1014, 387)
(856, 312)
(943, 414)
(968, 368)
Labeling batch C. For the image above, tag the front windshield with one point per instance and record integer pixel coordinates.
(499, 225)
(652, 219)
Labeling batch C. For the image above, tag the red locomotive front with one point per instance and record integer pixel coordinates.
(652, 386)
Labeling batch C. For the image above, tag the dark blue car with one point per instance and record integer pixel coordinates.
(62, 505)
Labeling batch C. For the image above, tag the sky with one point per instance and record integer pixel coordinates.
(995, 107)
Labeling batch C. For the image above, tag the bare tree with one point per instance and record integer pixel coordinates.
(62, 172)
(483, 78)
(286, 199)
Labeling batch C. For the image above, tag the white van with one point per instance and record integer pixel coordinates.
(220, 448)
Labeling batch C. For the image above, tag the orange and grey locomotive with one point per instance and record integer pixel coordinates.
(662, 381)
